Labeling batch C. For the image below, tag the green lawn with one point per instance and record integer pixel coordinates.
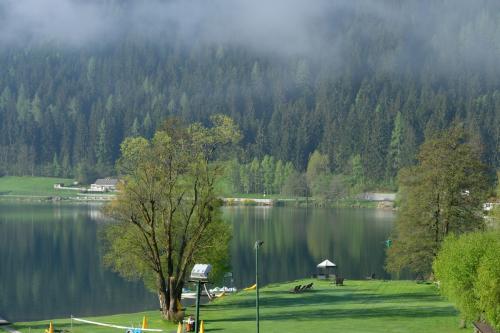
(33, 186)
(359, 306)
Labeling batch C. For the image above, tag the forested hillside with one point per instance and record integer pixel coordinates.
(372, 95)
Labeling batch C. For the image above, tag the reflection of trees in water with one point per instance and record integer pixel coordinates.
(297, 239)
(50, 265)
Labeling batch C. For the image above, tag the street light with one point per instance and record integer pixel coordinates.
(199, 274)
(258, 244)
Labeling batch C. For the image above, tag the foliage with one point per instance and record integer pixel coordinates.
(85, 174)
(296, 185)
(266, 176)
(469, 275)
(167, 211)
(77, 106)
(443, 194)
(316, 167)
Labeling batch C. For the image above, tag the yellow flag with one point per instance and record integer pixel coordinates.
(179, 328)
(202, 327)
(144, 323)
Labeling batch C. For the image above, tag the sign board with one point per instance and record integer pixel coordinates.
(200, 272)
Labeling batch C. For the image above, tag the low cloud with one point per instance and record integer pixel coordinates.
(445, 31)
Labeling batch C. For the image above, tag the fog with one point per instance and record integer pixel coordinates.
(460, 32)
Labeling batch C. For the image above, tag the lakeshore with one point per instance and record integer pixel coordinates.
(41, 189)
(358, 306)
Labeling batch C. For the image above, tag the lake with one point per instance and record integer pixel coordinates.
(50, 254)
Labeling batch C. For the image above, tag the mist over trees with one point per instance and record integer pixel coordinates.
(364, 84)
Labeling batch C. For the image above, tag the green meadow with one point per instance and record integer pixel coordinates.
(33, 187)
(358, 306)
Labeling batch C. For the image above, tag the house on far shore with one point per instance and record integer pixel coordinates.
(104, 185)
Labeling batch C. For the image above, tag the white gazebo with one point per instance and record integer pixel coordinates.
(325, 267)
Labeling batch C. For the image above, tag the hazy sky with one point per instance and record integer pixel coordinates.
(447, 30)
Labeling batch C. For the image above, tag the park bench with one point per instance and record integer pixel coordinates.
(339, 281)
(301, 288)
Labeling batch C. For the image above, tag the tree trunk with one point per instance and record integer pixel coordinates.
(162, 298)
(174, 313)
(163, 295)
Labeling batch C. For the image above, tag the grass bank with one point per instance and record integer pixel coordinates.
(42, 189)
(33, 187)
(359, 306)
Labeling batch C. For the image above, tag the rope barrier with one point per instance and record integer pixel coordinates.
(114, 326)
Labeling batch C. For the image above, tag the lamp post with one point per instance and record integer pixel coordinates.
(258, 244)
(199, 274)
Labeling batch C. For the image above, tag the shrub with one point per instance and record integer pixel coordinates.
(467, 269)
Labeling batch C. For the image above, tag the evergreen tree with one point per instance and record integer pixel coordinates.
(395, 147)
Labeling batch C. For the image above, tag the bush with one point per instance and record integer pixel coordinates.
(469, 275)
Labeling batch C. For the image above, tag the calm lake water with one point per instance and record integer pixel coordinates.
(50, 259)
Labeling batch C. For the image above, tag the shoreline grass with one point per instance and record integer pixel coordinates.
(29, 188)
(359, 306)
(12, 186)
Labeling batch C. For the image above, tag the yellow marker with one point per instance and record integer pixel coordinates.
(202, 327)
(144, 323)
(251, 288)
(179, 328)
(51, 328)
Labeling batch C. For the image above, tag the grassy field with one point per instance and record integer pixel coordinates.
(33, 186)
(40, 188)
(359, 306)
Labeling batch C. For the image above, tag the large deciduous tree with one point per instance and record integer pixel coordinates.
(166, 214)
(443, 194)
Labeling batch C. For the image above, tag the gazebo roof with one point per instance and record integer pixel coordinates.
(325, 264)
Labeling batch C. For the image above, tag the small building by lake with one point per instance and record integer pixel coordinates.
(104, 185)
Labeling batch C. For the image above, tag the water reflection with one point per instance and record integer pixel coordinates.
(50, 266)
(296, 239)
(50, 260)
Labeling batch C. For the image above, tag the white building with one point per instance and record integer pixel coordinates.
(104, 185)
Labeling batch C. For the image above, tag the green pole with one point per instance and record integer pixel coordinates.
(196, 322)
(257, 245)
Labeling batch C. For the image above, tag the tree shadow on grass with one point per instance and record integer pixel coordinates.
(65, 326)
(322, 314)
(281, 299)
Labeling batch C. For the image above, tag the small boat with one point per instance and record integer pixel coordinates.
(212, 293)
(192, 294)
